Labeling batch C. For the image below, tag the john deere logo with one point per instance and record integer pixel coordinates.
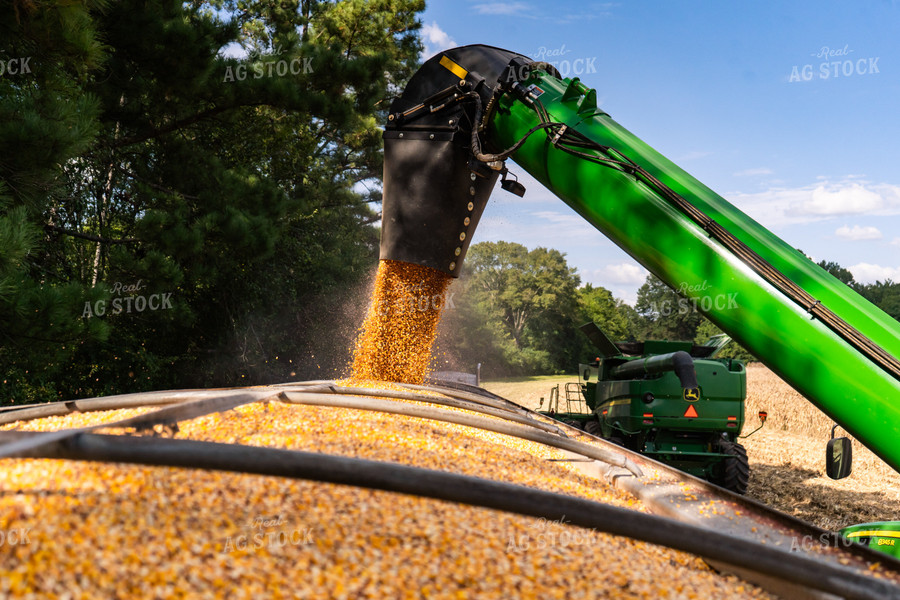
(691, 394)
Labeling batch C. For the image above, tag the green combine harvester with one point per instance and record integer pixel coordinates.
(469, 109)
(673, 401)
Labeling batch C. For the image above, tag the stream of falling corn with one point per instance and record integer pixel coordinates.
(401, 325)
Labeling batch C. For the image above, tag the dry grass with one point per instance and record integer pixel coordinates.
(787, 457)
(528, 391)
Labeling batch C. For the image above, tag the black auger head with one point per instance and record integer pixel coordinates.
(434, 189)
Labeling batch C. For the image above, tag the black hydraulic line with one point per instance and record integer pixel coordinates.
(169, 416)
(437, 414)
(473, 491)
(785, 285)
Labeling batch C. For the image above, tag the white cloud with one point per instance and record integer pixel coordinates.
(622, 279)
(503, 8)
(847, 199)
(566, 221)
(617, 275)
(868, 273)
(233, 50)
(435, 40)
(693, 155)
(778, 207)
(754, 172)
(857, 233)
(625, 273)
(896, 242)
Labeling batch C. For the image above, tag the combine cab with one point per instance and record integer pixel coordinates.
(673, 401)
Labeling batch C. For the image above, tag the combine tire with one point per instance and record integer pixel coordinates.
(736, 474)
(593, 428)
(574, 423)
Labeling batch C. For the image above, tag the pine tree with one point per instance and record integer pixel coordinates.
(46, 119)
(232, 184)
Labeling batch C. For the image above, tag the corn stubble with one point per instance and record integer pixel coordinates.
(401, 325)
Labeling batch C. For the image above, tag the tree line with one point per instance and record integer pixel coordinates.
(517, 312)
(189, 195)
(165, 222)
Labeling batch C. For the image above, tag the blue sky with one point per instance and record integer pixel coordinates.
(789, 110)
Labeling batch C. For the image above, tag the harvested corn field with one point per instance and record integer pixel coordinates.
(788, 461)
(787, 456)
(102, 530)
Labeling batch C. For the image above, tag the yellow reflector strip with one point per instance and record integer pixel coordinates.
(874, 533)
(453, 67)
(620, 402)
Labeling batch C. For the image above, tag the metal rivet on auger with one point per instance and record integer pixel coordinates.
(401, 135)
(431, 137)
(462, 236)
(452, 265)
(466, 221)
(472, 176)
(472, 190)
(471, 206)
(458, 251)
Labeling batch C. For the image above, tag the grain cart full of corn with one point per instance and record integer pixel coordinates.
(469, 109)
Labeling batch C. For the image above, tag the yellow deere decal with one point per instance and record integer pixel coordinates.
(691, 394)
(874, 533)
(619, 402)
(453, 67)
